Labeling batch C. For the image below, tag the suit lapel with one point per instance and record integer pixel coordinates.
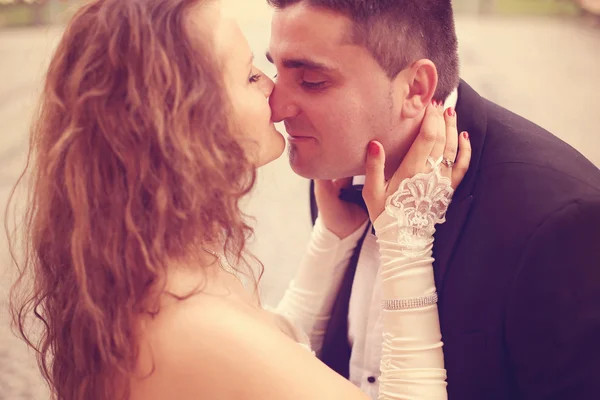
(447, 236)
(472, 118)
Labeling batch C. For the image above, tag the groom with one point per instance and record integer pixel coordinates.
(517, 262)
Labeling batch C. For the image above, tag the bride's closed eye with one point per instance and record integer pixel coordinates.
(254, 78)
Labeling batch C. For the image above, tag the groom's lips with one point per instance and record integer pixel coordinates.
(298, 139)
(293, 137)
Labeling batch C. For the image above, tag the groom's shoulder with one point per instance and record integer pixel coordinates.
(529, 154)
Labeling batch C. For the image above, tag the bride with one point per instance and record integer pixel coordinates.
(152, 124)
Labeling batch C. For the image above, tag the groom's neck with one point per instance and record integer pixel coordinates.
(406, 136)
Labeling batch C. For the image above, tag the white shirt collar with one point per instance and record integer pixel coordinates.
(452, 99)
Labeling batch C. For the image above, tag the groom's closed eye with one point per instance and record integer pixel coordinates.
(314, 81)
(314, 85)
(311, 72)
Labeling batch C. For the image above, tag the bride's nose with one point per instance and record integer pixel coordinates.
(267, 86)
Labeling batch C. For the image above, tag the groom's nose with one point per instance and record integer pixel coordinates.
(282, 105)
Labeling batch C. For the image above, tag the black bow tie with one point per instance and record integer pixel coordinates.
(353, 194)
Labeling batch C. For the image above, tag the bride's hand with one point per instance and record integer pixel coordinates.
(338, 216)
(438, 138)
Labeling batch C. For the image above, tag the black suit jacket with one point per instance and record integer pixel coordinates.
(517, 266)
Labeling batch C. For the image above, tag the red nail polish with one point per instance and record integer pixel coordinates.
(451, 112)
(373, 149)
(466, 135)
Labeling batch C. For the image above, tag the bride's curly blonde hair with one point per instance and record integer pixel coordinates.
(133, 162)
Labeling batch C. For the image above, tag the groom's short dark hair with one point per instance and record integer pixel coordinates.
(400, 32)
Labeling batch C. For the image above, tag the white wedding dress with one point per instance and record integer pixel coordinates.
(412, 362)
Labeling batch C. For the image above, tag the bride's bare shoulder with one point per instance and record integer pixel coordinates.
(184, 341)
(205, 347)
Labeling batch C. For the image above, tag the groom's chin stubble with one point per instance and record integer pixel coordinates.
(292, 151)
(297, 164)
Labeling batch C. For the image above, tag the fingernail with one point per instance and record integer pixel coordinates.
(466, 135)
(451, 112)
(373, 149)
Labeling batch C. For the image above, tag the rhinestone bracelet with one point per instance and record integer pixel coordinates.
(410, 303)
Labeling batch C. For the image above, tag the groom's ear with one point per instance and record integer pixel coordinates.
(418, 82)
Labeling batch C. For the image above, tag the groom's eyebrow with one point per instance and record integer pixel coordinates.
(296, 63)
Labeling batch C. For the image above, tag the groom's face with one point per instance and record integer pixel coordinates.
(332, 95)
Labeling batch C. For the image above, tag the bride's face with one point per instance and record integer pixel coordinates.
(249, 89)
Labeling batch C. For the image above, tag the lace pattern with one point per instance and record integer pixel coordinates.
(419, 204)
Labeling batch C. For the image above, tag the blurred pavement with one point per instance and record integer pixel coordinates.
(546, 69)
